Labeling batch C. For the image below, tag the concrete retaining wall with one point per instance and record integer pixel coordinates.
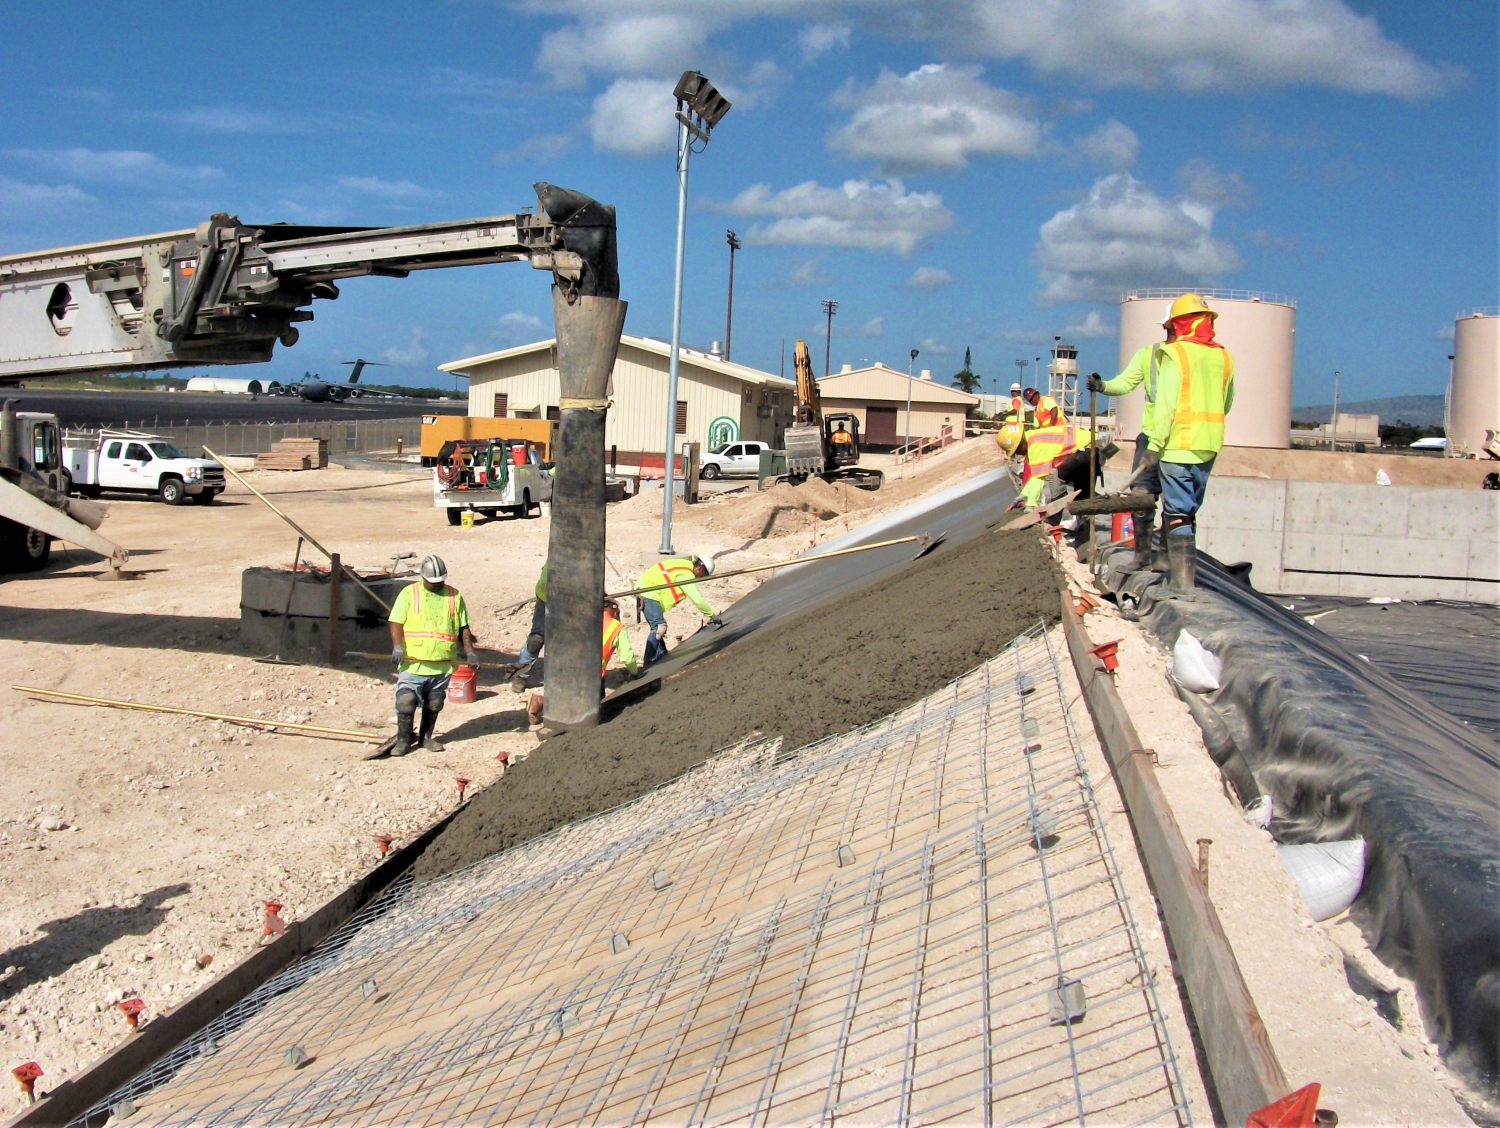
(1332, 538)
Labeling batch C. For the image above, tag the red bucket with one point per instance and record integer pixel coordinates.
(461, 685)
(518, 455)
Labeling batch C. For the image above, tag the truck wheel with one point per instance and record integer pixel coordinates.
(526, 505)
(455, 516)
(709, 471)
(91, 491)
(172, 491)
(23, 549)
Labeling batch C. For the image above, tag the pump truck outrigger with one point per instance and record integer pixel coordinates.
(223, 293)
(823, 446)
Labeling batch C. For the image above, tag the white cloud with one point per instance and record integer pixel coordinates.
(1024, 336)
(1113, 146)
(415, 352)
(635, 116)
(518, 326)
(875, 327)
(819, 39)
(1220, 45)
(229, 119)
(928, 278)
(1124, 235)
(388, 189)
(1444, 333)
(1205, 184)
(1091, 327)
(938, 116)
(542, 147)
(14, 192)
(863, 214)
(119, 165)
(1260, 237)
(936, 347)
(806, 273)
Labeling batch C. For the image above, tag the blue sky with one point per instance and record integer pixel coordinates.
(980, 173)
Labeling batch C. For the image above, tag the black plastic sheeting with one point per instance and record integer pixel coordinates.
(1346, 749)
(1447, 651)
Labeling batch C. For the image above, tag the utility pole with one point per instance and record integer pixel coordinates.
(704, 106)
(909, 364)
(1333, 442)
(830, 307)
(734, 245)
(1021, 364)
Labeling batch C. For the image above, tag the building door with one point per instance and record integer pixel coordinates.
(880, 426)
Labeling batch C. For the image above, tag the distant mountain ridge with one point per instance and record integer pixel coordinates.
(1422, 411)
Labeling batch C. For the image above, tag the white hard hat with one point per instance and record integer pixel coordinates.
(706, 565)
(434, 570)
(1015, 387)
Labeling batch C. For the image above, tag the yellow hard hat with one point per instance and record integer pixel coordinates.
(1185, 304)
(1009, 437)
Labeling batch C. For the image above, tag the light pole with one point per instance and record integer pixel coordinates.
(734, 244)
(699, 108)
(1021, 364)
(909, 364)
(1333, 442)
(830, 307)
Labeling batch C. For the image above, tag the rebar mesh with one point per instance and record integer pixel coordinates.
(918, 921)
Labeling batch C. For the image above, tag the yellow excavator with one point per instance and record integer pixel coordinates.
(823, 446)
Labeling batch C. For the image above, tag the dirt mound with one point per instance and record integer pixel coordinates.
(850, 661)
(785, 509)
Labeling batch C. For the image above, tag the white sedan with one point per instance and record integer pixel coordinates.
(730, 460)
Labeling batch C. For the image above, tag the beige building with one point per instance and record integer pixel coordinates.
(877, 395)
(717, 401)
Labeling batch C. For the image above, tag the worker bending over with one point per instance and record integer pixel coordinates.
(1189, 381)
(616, 641)
(1045, 408)
(1057, 460)
(428, 623)
(673, 578)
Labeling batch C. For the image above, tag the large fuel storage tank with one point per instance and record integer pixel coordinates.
(1474, 394)
(1258, 329)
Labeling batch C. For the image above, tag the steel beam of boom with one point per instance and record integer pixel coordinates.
(225, 292)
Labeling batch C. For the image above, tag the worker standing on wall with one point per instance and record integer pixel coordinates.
(428, 624)
(673, 578)
(536, 638)
(1017, 412)
(1184, 427)
(1045, 408)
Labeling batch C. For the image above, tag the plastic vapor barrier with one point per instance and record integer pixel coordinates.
(1346, 750)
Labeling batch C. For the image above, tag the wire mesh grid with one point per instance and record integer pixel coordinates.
(917, 921)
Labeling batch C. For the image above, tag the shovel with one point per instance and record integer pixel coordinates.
(1036, 516)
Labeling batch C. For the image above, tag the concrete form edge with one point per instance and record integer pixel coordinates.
(1242, 1065)
(161, 1035)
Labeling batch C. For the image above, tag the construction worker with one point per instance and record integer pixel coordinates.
(1017, 412)
(429, 623)
(616, 640)
(1044, 407)
(1189, 382)
(1049, 449)
(536, 638)
(677, 573)
(842, 440)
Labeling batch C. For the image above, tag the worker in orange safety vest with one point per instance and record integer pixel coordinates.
(1048, 414)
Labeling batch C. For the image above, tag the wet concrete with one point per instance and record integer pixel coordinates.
(834, 665)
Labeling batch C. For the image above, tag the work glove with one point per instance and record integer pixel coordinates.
(1095, 383)
(471, 658)
(1151, 459)
(398, 654)
(716, 622)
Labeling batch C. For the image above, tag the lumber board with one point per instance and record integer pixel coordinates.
(1237, 1049)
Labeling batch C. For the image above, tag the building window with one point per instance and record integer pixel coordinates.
(682, 417)
(554, 413)
(502, 405)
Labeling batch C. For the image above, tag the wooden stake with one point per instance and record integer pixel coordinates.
(260, 722)
(334, 570)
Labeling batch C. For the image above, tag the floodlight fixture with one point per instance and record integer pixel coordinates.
(703, 103)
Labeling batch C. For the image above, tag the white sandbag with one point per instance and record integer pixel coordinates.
(1328, 874)
(1195, 668)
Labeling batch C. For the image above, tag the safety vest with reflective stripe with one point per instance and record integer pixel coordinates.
(1048, 414)
(678, 572)
(1194, 393)
(1046, 447)
(615, 638)
(541, 585)
(431, 622)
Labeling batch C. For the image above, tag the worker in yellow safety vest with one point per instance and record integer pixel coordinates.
(616, 640)
(1189, 387)
(1016, 413)
(429, 623)
(1052, 462)
(1045, 408)
(672, 581)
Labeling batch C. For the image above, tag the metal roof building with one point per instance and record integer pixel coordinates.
(878, 396)
(717, 401)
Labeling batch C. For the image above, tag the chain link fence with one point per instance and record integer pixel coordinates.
(351, 436)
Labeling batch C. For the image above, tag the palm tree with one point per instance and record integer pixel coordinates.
(968, 379)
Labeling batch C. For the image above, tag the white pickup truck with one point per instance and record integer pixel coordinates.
(133, 462)
(484, 476)
(732, 460)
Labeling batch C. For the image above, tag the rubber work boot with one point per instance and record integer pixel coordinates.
(403, 735)
(1182, 562)
(1144, 556)
(520, 677)
(427, 740)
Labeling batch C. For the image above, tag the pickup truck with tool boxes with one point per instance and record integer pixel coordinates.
(484, 476)
(135, 462)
